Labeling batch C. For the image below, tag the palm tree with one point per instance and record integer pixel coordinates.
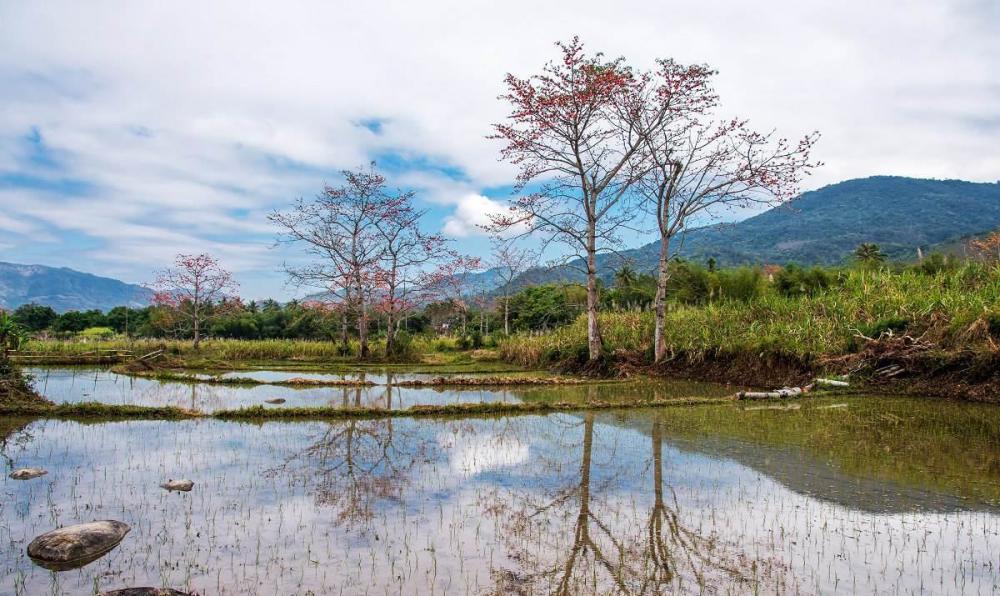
(625, 277)
(869, 254)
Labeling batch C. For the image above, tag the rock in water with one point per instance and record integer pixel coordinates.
(182, 485)
(27, 473)
(75, 546)
(145, 592)
(276, 400)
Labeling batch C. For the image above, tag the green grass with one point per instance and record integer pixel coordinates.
(954, 309)
(99, 411)
(227, 352)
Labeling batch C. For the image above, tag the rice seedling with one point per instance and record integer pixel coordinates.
(588, 502)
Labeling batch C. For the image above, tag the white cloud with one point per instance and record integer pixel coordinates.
(471, 212)
(190, 120)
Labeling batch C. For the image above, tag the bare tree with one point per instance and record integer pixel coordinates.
(694, 165)
(509, 262)
(408, 252)
(191, 287)
(342, 228)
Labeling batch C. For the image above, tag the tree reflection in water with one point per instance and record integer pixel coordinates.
(356, 464)
(612, 550)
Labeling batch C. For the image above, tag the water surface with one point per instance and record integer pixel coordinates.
(81, 384)
(688, 500)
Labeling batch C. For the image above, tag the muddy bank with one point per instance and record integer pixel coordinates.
(16, 388)
(879, 369)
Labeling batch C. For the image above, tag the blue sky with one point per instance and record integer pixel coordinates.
(130, 132)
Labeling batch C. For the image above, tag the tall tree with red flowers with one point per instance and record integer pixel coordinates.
(191, 289)
(595, 140)
(577, 132)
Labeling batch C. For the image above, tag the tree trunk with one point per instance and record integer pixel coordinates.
(197, 330)
(343, 331)
(390, 334)
(593, 329)
(362, 327)
(506, 315)
(659, 339)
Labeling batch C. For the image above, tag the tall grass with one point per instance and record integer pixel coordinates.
(953, 309)
(236, 350)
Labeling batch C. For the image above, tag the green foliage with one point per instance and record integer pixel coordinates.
(630, 290)
(545, 307)
(797, 281)
(797, 323)
(869, 254)
(404, 346)
(97, 333)
(12, 335)
(935, 263)
(35, 317)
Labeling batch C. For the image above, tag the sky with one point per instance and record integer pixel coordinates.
(133, 131)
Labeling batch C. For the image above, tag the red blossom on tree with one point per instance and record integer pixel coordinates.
(450, 282)
(695, 165)
(600, 139)
(402, 279)
(192, 287)
(340, 228)
(578, 131)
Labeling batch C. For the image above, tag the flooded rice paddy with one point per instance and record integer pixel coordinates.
(82, 384)
(874, 495)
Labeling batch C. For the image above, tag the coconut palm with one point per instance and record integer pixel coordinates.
(869, 254)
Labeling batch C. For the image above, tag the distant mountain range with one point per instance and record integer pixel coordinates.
(824, 226)
(65, 289)
(820, 227)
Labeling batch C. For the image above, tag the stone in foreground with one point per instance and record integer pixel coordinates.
(75, 546)
(181, 485)
(27, 473)
(145, 591)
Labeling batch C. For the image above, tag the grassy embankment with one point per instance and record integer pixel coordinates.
(97, 411)
(425, 354)
(930, 324)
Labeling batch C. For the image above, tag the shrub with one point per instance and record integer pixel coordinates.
(97, 333)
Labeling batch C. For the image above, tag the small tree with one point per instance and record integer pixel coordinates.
(869, 255)
(191, 287)
(407, 252)
(343, 229)
(35, 317)
(450, 283)
(12, 335)
(509, 263)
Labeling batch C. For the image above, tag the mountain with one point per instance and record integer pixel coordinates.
(824, 226)
(65, 289)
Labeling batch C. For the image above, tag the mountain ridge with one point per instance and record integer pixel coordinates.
(65, 289)
(822, 226)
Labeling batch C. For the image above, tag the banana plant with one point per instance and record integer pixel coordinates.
(12, 335)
